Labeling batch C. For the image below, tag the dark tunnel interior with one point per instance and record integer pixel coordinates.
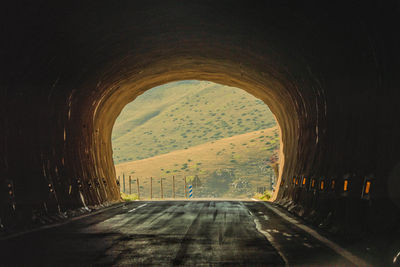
(328, 71)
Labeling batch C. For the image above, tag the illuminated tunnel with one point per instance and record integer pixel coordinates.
(329, 73)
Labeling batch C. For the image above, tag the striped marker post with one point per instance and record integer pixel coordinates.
(190, 191)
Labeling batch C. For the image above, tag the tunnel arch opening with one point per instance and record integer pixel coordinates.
(191, 123)
(117, 95)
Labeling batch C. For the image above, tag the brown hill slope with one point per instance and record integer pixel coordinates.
(229, 167)
(184, 114)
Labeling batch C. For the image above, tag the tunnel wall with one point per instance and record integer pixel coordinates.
(328, 72)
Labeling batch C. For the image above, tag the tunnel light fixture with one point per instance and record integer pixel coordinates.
(333, 184)
(346, 185)
(322, 185)
(297, 181)
(51, 188)
(313, 183)
(78, 182)
(367, 187)
(294, 179)
(304, 181)
(368, 182)
(10, 190)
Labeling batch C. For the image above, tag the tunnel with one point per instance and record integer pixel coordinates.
(328, 72)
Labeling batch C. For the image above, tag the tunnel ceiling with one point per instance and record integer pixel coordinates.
(329, 74)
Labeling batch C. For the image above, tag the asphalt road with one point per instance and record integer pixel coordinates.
(205, 233)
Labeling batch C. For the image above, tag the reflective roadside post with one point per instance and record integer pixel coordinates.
(190, 191)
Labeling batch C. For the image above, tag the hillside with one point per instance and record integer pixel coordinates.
(230, 167)
(184, 114)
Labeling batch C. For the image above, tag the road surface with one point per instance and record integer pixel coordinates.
(159, 233)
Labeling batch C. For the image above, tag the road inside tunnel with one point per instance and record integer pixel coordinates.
(176, 233)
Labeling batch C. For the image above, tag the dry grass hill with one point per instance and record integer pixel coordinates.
(230, 167)
(185, 114)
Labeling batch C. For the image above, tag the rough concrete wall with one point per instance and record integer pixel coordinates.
(329, 74)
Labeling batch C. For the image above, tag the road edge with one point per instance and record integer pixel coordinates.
(332, 245)
(68, 220)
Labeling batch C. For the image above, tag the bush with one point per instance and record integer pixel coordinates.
(128, 197)
(264, 196)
